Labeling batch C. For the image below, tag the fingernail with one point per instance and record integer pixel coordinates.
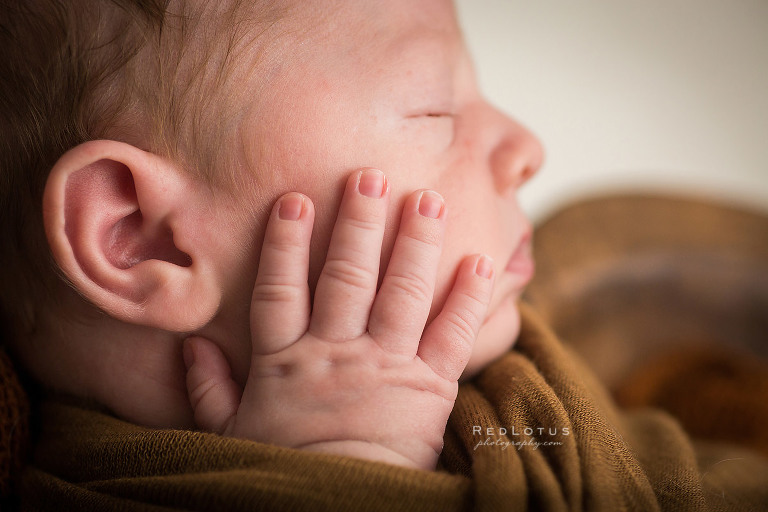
(372, 183)
(430, 204)
(291, 207)
(189, 354)
(484, 267)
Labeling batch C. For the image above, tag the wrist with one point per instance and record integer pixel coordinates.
(369, 451)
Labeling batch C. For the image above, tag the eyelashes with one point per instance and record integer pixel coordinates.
(431, 114)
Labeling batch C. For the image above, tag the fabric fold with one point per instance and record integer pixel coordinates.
(535, 430)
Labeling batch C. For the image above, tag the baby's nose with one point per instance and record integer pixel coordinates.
(517, 155)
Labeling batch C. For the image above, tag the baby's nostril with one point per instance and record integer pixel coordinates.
(511, 166)
(527, 173)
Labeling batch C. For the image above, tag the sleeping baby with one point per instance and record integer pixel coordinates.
(290, 223)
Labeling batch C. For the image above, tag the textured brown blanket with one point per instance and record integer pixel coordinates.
(534, 431)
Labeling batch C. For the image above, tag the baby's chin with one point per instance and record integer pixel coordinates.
(497, 335)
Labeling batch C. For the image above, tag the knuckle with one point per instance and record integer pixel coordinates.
(202, 389)
(411, 284)
(359, 223)
(274, 292)
(420, 239)
(286, 245)
(463, 325)
(349, 273)
(474, 299)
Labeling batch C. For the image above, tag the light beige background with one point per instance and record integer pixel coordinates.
(640, 95)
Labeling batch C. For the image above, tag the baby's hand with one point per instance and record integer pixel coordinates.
(356, 374)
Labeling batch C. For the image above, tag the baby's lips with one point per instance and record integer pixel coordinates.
(521, 262)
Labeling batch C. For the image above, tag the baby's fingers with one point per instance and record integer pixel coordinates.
(447, 343)
(214, 396)
(347, 284)
(405, 297)
(280, 303)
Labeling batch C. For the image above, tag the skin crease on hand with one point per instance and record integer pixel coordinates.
(392, 87)
(347, 85)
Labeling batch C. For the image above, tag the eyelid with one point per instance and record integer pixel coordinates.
(437, 114)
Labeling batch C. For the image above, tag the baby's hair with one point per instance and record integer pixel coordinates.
(138, 71)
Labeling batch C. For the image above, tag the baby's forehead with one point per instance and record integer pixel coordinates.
(361, 35)
(372, 23)
(355, 44)
(265, 65)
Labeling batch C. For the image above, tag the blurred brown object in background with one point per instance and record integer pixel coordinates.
(716, 394)
(622, 278)
(666, 298)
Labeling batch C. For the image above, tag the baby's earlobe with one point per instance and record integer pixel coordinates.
(118, 227)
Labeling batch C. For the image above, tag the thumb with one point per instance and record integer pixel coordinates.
(214, 396)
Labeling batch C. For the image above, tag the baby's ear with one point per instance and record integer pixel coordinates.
(123, 227)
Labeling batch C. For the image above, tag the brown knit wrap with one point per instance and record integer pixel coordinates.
(14, 425)
(535, 430)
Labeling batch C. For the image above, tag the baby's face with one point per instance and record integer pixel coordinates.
(388, 85)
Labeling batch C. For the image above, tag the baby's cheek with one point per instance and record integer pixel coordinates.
(445, 280)
(497, 336)
(453, 253)
(326, 211)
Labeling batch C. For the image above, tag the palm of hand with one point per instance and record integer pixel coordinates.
(353, 390)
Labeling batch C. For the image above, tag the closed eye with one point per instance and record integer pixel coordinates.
(440, 125)
(431, 114)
